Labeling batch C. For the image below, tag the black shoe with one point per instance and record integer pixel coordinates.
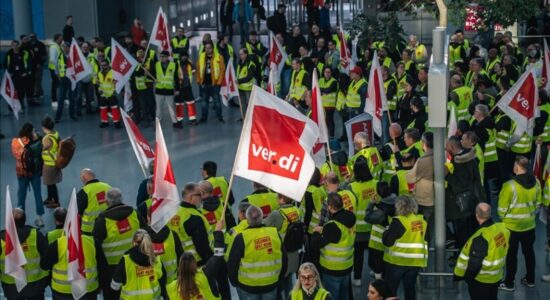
(2, 136)
(202, 120)
(57, 121)
(90, 112)
(79, 114)
(193, 123)
(342, 139)
(177, 125)
(118, 125)
(103, 125)
(233, 104)
(221, 120)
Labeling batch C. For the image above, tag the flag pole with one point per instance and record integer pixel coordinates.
(329, 155)
(226, 200)
(241, 105)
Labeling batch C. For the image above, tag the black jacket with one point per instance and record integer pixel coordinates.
(68, 33)
(277, 23)
(420, 119)
(378, 213)
(478, 251)
(332, 234)
(195, 228)
(226, 12)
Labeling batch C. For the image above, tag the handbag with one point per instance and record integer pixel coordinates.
(465, 201)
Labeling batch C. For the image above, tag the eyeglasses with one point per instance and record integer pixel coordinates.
(307, 278)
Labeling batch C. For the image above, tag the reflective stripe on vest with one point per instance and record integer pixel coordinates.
(365, 192)
(464, 94)
(545, 135)
(524, 144)
(166, 251)
(32, 268)
(490, 153)
(119, 237)
(329, 100)
(297, 88)
(375, 240)
(353, 99)
(97, 203)
(106, 84)
(519, 215)
(262, 259)
(50, 155)
(141, 282)
(410, 249)
(392, 102)
(318, 195)
(177, 225)
(165, 78)
(339, 256)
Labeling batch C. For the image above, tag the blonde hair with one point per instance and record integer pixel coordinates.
(143, 240)
(307, 266)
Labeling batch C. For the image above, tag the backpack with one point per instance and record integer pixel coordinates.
(295, 235)
(67, 147)
(32, 156)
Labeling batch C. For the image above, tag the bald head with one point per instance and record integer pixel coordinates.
(331, 178)
(87, 175)
(395, 130)
(483, 212)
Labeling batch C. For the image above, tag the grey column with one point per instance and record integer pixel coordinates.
(22, 17)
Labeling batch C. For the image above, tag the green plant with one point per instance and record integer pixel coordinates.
(385, 26)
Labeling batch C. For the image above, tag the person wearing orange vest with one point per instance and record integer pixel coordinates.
(210, 75)
(107, 97)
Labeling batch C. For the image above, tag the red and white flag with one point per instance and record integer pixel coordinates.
(376, 96)
(230, 86)
(546, 66)
(165, 192)
(277, 59)
(537, 165)
(275, 145)
(159, 35)
(360, 123)
(520, 103)
(78, 67)
(271, 83)
(318, 116)
(345, 55)
(142, 149)
(122, 64)
(452, 128)
(128, 99)
(76, 274)
(14, 256)
(8, 91)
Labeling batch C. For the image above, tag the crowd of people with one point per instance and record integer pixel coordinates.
(380, 200)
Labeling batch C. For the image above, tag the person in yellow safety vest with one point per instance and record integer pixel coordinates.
(462, 96)
(379, 212)
(101, 47)
(59, 215)
(312, 204)
(246, 76)
(419, 118)
(55, 261)
(34, 246)
(113, 232)
(180, 44)
(139, 273)
(470, 141)
(492, 59)
(256, 262)
(364, 148)
(166, 86)
(517, 204)
(484, 128)
(107, 97)
(357, 94)
(91, 199)
(476, 69)
(503, 128)
(210, 75)
(542, 125)
(65, 90)
(186, 97)
(335, 239)
(390, 87)
(406, 246)
(464, 42)
(409, 66)
(263, 198)
(481, 261)
(385, 60)
(308, 285)
(54, 51)
(422, 86)
(18, 62)
(398, 183)
(212, 207)
(149, 59)
(256, 49)
(413, 144)
(194, 282)
(281, 218)
(485, 93)
(142, 94)
(328, 86)
(219, 184)
(457, 53)
(420, 55)
(233, 232)
(396, 142)
(299, 84)
(51, 175)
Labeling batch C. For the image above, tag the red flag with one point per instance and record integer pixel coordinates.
(274, 146)
(271, 83)
(78, 67)
(345, 55)
(8, 91)
(142, 149)
(546, 66)
(537, 165)
(122, 64)
(165, 192)
(159, 35)
(318, 116)
(520, 103)
(277, 59)
(362, 122)
(376, 96)
(75, 251)
(230, 86)
(14, 256)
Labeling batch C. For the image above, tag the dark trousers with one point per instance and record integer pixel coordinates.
(463, 229)
(482, 291)
(527, 240)
(428, 213)
(61, 296)
(223, 283)
(105, 278)
(23, 86)
(505, 164)
(330, 121)
(52, 193)
(395, 274)
(227, 29)
(207, 91)
(359, 258)
(66, 92)
(86, 89)
(144, 106)
(54, 86)
(376, 261)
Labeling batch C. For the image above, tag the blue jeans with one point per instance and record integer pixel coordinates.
(338, 286)
(207, 91)
(23, 185)
(286, 75)
(65, 92)
(385, 128)
(244, 295)
(86, 89)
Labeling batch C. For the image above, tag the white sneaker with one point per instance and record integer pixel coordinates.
(356, 282)
(377, 275)
(54, 105)
(39, 222)
(545, 278)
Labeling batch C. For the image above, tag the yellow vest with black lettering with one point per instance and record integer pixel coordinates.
(266, 201)
(392, 102)
(492, 267)
(50, 155)
(262, 259)
(353, 99)
(297, 87)
(106, 84)
(97, 203)
(32, 268)
(410, 250)
(349, 200)
(53, 235)
(517, 205)
(165, 79)
(297, 294)
(242, 72)
(205, 293)
(339, 256)
(365, 192)
(374, 160)
(166, 251)
(141, 282)
(464, 94)
(60, 280)
(318, 194)
(545, 135)
(329, 100)
(177, 225)
(119, 237)
(524, 144)
(290, 215)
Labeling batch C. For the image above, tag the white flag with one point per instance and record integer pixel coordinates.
(166, 199)
(9, 93)
(76, 273)
(318, 116)
(453, 125)
(275, 145)
(271, 83)
(230, 86)
(159, 35)
(122, 64)
(14, 256)
(142, 149)
(128, 101)
(277, 59)
(376, 97)
(345, 55)
(78, 67)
